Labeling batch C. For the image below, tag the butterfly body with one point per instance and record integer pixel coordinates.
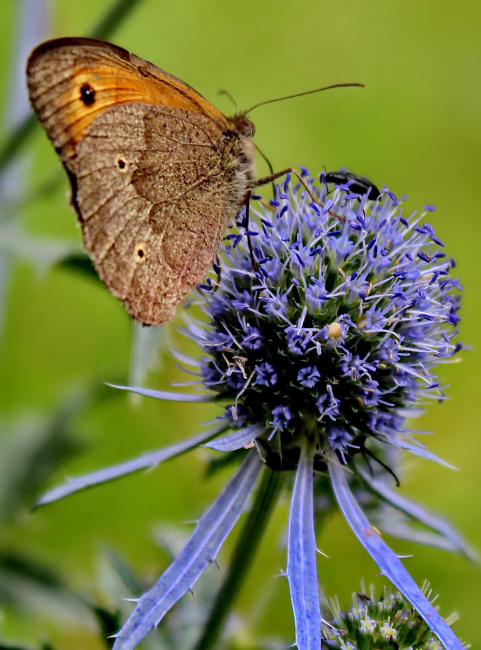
(157, 172)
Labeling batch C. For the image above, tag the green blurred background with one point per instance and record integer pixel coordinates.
(416, 127)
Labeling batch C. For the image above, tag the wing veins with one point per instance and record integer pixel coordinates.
(127, 223)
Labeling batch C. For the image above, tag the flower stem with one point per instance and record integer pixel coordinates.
(244, 551)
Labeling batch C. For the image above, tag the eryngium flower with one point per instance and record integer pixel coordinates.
(320, 335)
(382, 623)
(332, 332)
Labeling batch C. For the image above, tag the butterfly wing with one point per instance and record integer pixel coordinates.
(154, 194)
(154, 168)
(71, 81)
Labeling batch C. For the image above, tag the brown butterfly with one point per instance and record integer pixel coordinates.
(157, 172)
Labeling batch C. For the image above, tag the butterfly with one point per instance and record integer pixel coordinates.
(157, 172)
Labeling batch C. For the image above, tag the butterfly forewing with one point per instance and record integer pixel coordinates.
(72, 80)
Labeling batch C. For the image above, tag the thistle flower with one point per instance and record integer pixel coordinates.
(379, 622)
(320, 344)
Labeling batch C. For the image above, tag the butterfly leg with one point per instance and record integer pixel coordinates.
(290, 170)
(267, 206)
(246, 227)
(218, 269)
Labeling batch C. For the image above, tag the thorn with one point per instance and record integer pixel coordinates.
(131, 600)
(191, 591)
(214, 561)
(404, 557)
(321, 553)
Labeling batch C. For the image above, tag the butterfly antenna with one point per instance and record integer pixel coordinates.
(227, 94)
(307, 92)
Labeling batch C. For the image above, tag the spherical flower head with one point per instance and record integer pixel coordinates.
(378, 622)
(330, 330)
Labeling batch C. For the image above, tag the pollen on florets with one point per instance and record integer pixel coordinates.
(333, 330)
(378, 622)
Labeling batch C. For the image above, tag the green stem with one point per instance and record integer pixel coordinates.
(107, 25)
(114, 17)
(243, 554)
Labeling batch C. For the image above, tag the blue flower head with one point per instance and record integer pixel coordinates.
(321, 337)
(351, 307)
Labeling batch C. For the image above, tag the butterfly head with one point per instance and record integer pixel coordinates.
(243, 125)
